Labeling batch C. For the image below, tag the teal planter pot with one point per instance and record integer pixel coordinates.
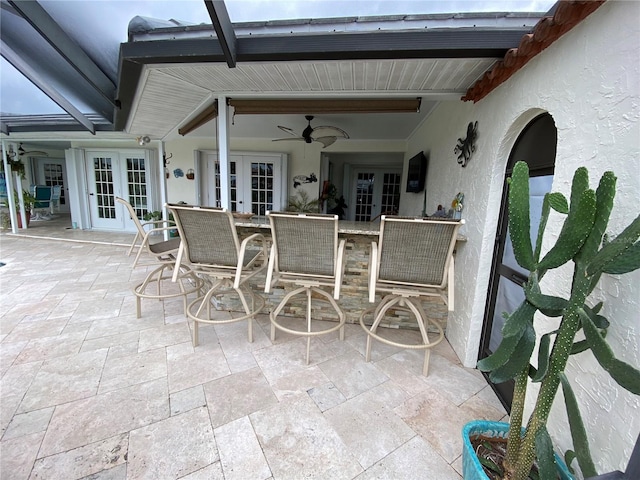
(471, 467)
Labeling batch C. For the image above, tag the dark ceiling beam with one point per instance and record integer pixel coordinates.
(41, 82)
(224, 29)
(316, 106)
(202, 118)
(50, 31)
(451, 43)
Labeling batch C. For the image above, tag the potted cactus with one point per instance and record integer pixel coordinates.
(582, 241)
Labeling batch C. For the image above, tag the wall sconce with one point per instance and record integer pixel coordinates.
(143, 140)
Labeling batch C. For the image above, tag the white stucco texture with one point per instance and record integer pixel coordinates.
(589, 82)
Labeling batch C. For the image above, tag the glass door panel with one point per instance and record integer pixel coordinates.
(51, 172)
(364, 196)
(103, 170)
(376, 192)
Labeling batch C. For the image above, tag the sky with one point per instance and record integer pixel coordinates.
(18, 95)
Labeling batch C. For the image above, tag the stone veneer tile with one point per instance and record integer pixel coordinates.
(85, 460)
(241, 362)
(152, 448)
(210, 472)
(31, 330)
(298, 442)
(187, 399)
(326, 396)
(50, 347)
(163, 336)
(133, 369)
(352, 375)
(299, 382)
(359, 420)
(283, 359)
(404, 374)
(439, 421)
(424, 463)
(28, 423)
(455, 382)
(13, 385)
(18, 455)
(9, 351)
(122, 324)
(234, 340)
(64, 379)
(96, 309)
(240, 453)
(202, 366)
(237, 395)
(118, 472)
(110, 341)
(93, 419)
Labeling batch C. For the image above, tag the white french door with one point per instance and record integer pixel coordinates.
(116, 174)
(256, 182)
(375, 191)
(51, 172)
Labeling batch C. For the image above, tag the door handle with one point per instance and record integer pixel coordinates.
(91, 194)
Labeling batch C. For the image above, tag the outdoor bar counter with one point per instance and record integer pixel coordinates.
(354, 294)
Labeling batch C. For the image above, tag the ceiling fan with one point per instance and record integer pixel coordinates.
(31, 153)
(326, 135)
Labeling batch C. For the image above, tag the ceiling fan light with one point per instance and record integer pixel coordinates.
(143, 140)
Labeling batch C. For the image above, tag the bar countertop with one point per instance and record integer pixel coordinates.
(345, 227)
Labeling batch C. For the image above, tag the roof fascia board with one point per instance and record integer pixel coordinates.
(130, 76)
(38, 128)
(224, 29)
(451, 43)
(41, 83)
(50, 31)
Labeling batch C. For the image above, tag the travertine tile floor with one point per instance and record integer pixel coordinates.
(89, 391)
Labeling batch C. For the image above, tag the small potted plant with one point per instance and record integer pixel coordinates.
(29, 202)
(584, 242)
(300, 202)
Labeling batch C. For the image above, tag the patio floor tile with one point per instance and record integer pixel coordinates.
(89, 391)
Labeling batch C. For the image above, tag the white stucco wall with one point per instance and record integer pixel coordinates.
(589, 81)
(304, 159)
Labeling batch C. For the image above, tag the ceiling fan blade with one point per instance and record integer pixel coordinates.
(329, 131)
(35, 153)
(326, 141)
(288, 130)
(298, 139)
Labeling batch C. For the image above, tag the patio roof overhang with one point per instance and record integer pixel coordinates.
(431, 64)
(167, 76)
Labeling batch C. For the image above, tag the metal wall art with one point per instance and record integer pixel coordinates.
(300, 179)
(466, 146)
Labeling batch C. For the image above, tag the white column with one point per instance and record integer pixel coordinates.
(223, 151)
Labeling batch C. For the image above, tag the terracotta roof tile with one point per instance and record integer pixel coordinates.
(566, 16)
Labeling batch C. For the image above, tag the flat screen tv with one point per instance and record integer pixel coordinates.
(417, 173)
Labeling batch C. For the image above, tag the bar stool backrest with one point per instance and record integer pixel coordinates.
(305, 243)
(208, 234)
(415, 250)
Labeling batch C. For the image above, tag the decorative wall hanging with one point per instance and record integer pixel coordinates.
(300, 179)
(466, 146)
(191, 174)
(165, 162)
(178, 173)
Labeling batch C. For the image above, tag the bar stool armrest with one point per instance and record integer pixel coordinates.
(373, 272)
(340, 264)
